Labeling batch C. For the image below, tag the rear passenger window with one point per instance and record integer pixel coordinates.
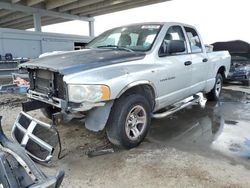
(194, 40)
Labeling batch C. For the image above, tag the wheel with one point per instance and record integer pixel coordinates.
(246, 83)
(48, 111)
(214, 94)
(129, 121)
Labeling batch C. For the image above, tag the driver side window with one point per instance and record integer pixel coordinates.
(173, 33)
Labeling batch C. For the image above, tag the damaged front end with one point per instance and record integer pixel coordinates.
(49, 91)
(239, 70)
(48, 87)
(18, 170)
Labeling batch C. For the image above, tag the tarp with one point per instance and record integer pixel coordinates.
(234, 47)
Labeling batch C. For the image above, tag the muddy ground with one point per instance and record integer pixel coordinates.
(193, 148)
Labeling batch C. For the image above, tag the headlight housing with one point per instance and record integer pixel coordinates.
(88, 93)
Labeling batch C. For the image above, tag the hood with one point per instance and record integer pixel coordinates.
(77, 61)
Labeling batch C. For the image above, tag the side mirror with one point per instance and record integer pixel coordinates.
(176, 46)
(172, 46)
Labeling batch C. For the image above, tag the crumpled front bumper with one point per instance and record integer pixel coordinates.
(63, 104)
(59, 103)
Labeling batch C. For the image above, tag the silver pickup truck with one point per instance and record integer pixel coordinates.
(127, 75)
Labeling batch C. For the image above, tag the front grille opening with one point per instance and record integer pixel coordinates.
(24, 121)
(18, 135)
(47, 82)
(47, 135)
(37, 150)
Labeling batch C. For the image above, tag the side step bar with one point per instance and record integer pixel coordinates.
(197, 98)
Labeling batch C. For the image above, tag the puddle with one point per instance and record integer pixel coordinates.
(222, 127)
(235, 96)
(234, 140)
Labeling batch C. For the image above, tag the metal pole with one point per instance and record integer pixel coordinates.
(37, 22)
(91, 29)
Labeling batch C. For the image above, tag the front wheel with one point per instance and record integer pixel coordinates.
(214, 94)
(129, 121)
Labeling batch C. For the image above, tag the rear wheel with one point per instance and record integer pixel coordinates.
(214, 94)
(129, 121)
(49, 111)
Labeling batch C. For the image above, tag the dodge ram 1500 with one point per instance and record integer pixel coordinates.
(127, 75)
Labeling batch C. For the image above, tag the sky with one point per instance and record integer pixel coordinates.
(216, 20)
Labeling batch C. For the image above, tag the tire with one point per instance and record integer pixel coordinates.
(48, 111)
(123, 128)
(246, 83)
(214, 94)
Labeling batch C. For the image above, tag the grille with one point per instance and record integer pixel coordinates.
(47, 82)
(38, 139)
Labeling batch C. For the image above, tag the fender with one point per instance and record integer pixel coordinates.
(137, 83)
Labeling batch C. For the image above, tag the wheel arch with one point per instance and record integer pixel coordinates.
(144, 87)
(222, 71)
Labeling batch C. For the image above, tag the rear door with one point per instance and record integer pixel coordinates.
(174, 76)
(199, 61)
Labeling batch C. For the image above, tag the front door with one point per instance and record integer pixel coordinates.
(175, 72)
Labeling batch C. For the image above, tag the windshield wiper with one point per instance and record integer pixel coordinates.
(117, 47)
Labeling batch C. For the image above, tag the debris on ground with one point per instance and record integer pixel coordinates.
(20, 84)
(11, 100)
(95, 153)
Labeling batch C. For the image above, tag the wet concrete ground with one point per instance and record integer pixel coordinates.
(223, 127)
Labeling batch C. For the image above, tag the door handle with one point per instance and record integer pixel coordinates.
(205, 60)
(187, 63)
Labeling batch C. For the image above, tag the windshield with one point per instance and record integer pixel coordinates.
(133, 38)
